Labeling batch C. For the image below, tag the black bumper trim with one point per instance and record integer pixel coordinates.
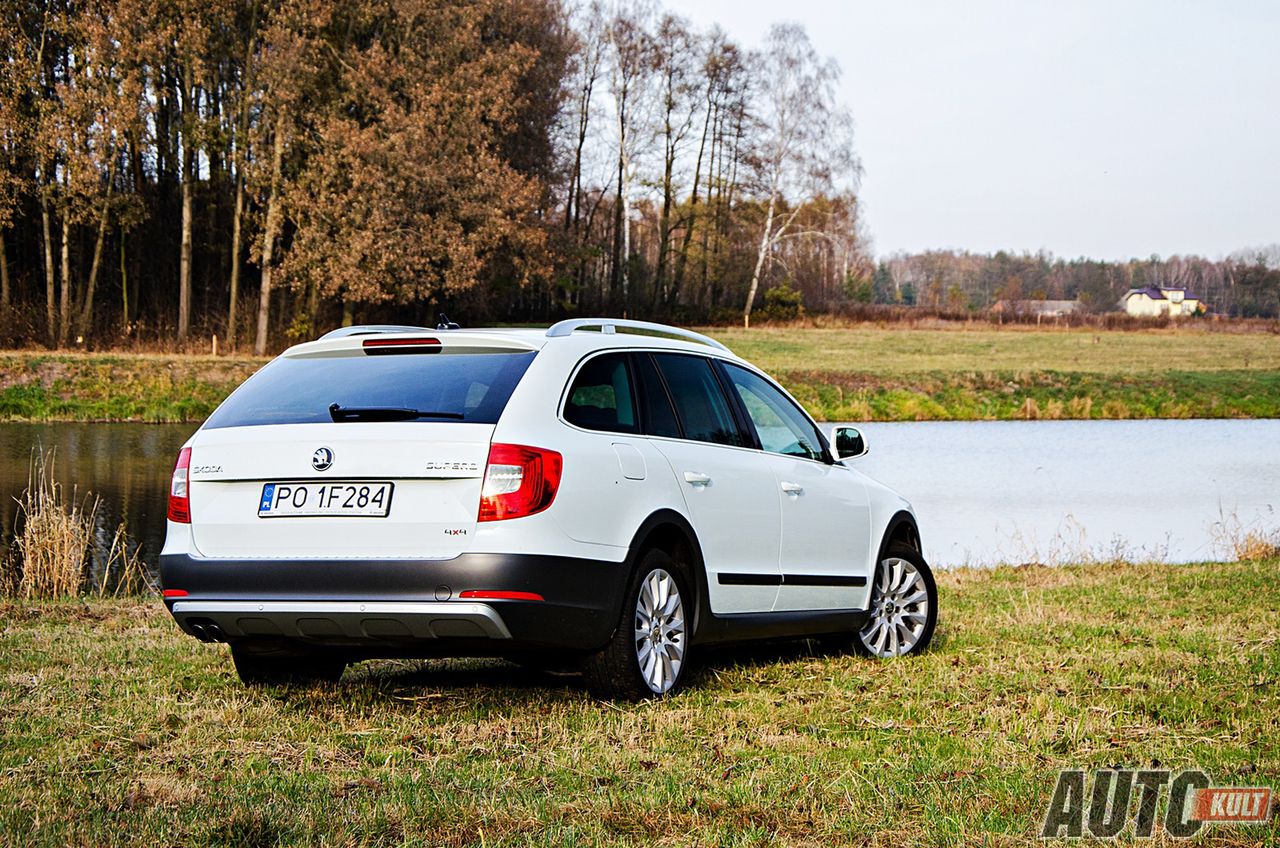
(822, 580)
(580, 610)
(726, 578)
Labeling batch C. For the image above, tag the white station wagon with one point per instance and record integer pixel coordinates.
(609, 494)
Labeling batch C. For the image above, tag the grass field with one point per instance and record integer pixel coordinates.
(861, 373)
(904, 351)
(117, 730)
(898, 374)
(116, 386)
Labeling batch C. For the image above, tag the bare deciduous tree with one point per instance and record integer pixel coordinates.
(805, 143)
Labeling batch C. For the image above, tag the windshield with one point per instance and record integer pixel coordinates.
(473, 387)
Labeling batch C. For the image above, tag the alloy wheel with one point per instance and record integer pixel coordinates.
(899, 609)
(659, 631)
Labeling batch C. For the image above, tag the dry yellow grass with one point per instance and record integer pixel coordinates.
(117, 729)
(56, 537)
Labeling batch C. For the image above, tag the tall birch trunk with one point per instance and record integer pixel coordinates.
(64, 304)
(124, 287)
(269, 241)
(86, 309)
(187, 96)
(235, 264)
(4, 275)
(184, 261)
(626, 236)
(682, 257)
(766, 238)
(50, 283)
(242, 138)
(615, 275)
(660, 290)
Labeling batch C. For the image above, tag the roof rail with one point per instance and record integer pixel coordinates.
(371, 329)
(609, 326)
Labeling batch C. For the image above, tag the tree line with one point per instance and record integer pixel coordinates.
(1245, 284)
(265, 169)
(262, 170)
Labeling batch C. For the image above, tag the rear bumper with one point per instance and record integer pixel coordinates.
(338, 620)
(396, 606)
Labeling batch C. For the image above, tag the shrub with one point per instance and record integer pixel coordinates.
(54, 538)
(782, 303)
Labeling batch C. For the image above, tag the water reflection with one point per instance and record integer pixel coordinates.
(985, 492)
(1065, 491)
(127, 466)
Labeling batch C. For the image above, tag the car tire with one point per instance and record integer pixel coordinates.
(903, 607)
(648, 654)
(274, 666)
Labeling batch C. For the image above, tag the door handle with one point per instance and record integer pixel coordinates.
(792, 488)
(696, 478)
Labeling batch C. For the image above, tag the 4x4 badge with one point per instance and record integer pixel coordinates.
(321, 459)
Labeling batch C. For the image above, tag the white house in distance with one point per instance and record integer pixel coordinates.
(1153, 302)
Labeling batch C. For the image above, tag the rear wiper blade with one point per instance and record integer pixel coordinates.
(386, 413)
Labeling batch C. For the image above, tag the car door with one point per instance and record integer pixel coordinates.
(604, 490)
(728, 489)
(824, 555)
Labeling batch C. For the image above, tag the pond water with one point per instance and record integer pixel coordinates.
(125, 466)
(1062, 491)
(985, 492)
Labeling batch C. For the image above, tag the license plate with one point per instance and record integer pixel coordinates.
(288, 500)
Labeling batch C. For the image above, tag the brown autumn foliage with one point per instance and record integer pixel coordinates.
(406, 195)
(262, 170)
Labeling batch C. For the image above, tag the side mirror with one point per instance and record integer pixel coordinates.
(849, 443)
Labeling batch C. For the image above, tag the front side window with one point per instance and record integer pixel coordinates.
(704, 411)
(600, 397)
(781, 427)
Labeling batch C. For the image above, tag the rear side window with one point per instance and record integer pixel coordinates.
(700, 402)
(472, 387)
(656, 411)
(600, 397)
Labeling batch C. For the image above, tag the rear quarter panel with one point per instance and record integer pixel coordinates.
(598, 507)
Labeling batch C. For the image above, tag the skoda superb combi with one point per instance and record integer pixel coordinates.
(612, 494)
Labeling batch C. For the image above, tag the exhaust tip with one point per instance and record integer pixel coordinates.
(214, 632)
(198, 631)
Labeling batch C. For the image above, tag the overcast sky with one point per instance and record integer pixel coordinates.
(1107, 129)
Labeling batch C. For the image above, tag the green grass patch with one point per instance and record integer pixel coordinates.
(999, 395)
(118, 730)
(852, 374)
(116, 387)
(869, 349)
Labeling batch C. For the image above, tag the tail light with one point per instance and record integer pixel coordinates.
(500, 595)
(376, 347)
(518, 481)
(179, 492)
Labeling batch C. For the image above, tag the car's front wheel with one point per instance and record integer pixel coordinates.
(904, 606)
(648, 654)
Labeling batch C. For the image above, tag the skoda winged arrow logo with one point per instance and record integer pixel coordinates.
(321, 459)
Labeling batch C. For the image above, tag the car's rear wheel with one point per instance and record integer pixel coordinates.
(649, 652)
(903, 609)
(272, 665)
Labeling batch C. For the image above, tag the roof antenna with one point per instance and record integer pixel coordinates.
(443, 323)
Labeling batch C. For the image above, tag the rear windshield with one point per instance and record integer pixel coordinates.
(475, 386)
